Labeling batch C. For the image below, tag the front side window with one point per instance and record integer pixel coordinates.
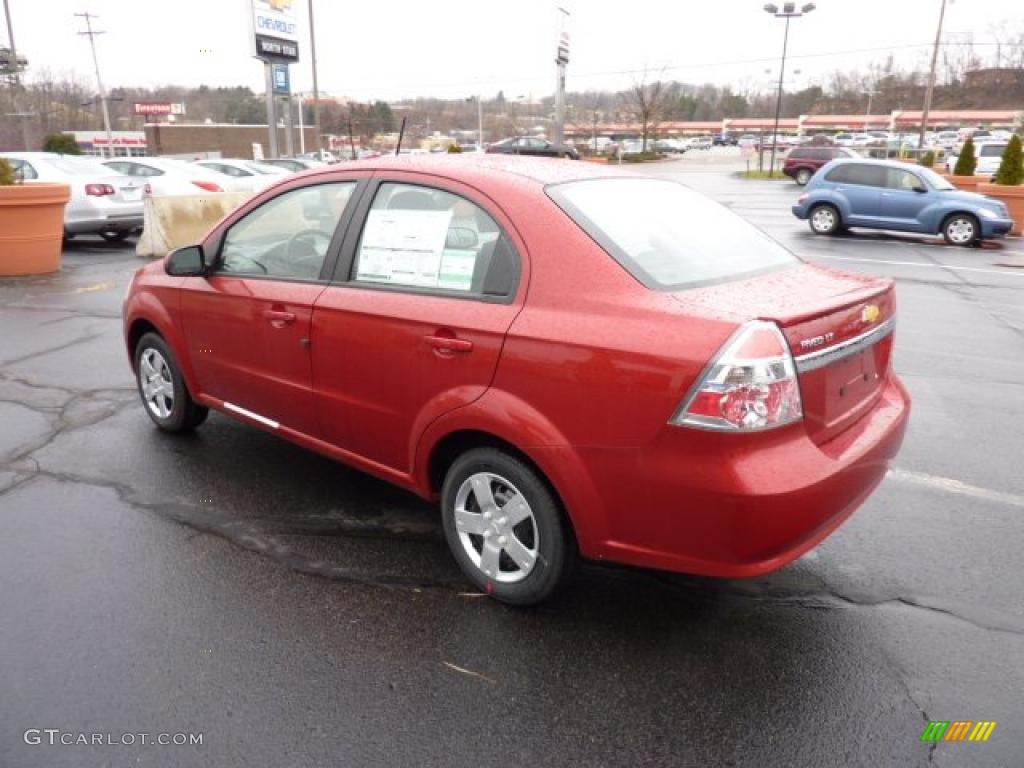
(666, 235)
(288, 236)
(425, 238)
(902, 180)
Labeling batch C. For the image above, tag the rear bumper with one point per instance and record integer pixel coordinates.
(111, 223)
(718, 506)
(799, 210)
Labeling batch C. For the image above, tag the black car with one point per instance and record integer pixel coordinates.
(528, 145)
(724, 140)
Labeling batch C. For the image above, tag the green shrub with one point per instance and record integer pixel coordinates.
(61, 143)
(1011, 169)
(7, 175)
(927, 159)
(454, 149)
(641, 157)
(967, 162)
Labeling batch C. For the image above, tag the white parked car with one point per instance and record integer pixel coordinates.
(244, 175)
(102, 202)
(166, 176)
(990, 155)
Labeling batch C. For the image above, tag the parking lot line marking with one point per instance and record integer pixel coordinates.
(949, 485)
(470, 673)
(1008, 271)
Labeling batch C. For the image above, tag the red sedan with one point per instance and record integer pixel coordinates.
(573, 360)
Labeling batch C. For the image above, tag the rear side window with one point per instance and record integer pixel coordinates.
(431, 240)
(666, 235)
(853, 173)
(992, 150)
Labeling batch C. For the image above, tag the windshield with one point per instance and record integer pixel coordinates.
(666, 235)
(934, 180)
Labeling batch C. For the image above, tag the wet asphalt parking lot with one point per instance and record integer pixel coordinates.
(297, 613)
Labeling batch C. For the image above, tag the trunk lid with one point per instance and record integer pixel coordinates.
(838, 326)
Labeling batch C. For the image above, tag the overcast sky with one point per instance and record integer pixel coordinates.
(401, 48)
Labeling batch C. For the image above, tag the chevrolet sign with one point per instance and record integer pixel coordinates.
(275, 30)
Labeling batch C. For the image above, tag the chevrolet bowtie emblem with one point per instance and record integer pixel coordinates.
(870, 313)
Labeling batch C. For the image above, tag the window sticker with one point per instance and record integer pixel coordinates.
(456, 273)
(403, 247)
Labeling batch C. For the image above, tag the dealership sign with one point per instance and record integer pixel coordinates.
(158, 108)
(275, 29)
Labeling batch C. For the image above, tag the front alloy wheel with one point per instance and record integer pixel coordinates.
(162, 387)
(505, 528)
(961, 230)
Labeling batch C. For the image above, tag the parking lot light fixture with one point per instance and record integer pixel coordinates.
(788, 11)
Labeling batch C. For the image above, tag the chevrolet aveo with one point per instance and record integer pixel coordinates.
(573, 361)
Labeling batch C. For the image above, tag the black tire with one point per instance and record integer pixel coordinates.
(183, 414)
(114, 237)
(803, 176)
(824, 219)
(961, 229)
(546, 532)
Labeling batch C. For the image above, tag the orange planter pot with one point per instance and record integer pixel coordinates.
(1014, 199)
(31, 227)
(966, 183)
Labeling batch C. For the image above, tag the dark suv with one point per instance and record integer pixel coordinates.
(803, 162)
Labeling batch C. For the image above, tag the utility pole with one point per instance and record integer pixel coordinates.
(316, 88)
(931, 78)
(302, 127)
(479, 123)
(91, 33)
(16, 89)
(867, 112)
(561, 60)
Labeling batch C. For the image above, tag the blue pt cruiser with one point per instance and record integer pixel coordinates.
(885, 194)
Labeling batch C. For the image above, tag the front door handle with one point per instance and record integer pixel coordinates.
(449, 344)
(278, 317)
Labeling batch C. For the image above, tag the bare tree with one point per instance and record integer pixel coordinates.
(646, 103)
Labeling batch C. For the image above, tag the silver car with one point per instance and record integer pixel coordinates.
(102, 202)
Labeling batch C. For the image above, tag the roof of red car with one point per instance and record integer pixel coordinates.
(469, 167)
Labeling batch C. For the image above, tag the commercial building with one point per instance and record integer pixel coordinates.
(217, 139)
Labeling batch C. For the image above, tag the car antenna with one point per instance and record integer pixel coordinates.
(401, 133)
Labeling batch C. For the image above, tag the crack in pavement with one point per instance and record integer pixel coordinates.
(240, 534)
(58, 348)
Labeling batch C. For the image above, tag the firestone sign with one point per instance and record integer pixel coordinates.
(275, 30)
(158, 108)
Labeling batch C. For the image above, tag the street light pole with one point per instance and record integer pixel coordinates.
(316, 88)
(931, 78)
(787, 12)
(479, 123)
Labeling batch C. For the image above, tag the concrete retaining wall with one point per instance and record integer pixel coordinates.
(174, 221)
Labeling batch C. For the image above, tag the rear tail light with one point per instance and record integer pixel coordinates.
(750, 385)
(803, 198)
(209, 186)
(99, 190)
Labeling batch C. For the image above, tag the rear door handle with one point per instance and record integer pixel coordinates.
(449, 344)
(278, 318)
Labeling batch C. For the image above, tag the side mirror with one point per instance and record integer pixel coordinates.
(186, 262)
(920, 190)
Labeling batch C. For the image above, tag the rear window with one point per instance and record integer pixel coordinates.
(79, 166)
(666, 235)
(992, 150)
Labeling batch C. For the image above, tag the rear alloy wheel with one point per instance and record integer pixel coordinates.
(825, 220)
(505, 528)
(162, 387)
(803, 176)
(114, 236)
(961, 229)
